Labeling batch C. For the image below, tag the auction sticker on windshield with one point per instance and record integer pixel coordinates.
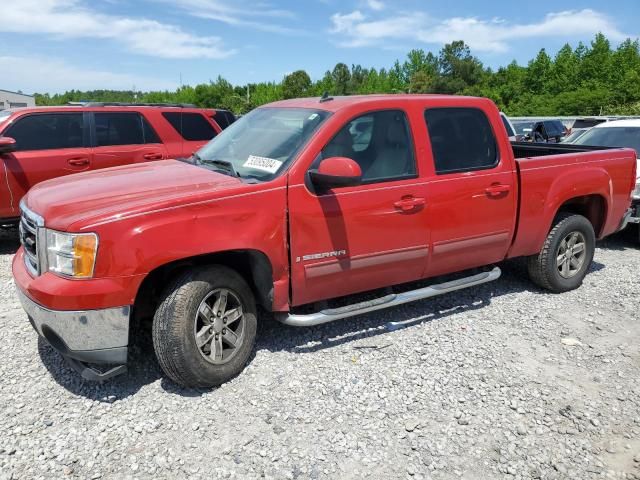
(265, 164)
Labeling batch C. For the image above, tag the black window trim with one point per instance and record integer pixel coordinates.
(496, 164)
(86, 130)
(93, 141)
(376, 181)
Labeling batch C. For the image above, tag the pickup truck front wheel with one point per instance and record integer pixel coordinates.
(566, 255)
(205, 327)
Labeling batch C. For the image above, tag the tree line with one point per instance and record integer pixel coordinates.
(587, 80)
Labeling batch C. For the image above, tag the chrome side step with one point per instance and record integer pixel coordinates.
(329, 315)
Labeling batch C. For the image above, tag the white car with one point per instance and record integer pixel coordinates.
(618, 133)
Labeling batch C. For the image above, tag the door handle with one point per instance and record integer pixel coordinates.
(409, 203)
(153, 156)
(497, 189)
(78, 162)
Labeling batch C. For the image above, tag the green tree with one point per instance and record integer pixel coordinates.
(341, 78)
(296, 84)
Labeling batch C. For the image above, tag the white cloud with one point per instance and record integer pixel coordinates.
(31, 74)
(259, 16)
(376, 5)
(357, 30)
(72, 19)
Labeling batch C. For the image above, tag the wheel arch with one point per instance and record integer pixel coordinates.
(593, 207)
(253, 265)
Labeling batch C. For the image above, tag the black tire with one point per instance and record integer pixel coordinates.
(543, 268)
(176, 318)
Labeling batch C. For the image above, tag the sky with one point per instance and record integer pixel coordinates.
(57, 45)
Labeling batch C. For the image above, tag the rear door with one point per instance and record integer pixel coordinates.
(472, 197)
(353, 239)
(122, 138)
(195, 129)
(49, 145)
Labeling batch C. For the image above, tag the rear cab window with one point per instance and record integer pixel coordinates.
(462, 140)
(191, 126)
(47, 131)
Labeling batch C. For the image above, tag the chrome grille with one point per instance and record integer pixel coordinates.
(30, 229)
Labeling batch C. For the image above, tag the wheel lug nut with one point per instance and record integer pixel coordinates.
(211, 330)
(224, 330)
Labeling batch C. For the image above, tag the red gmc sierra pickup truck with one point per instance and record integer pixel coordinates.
(298, 207)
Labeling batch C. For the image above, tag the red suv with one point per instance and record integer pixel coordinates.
(47, 142)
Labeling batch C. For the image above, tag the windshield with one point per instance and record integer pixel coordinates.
(612, 137)
(573, 136)
(260, 144)
(523, 127)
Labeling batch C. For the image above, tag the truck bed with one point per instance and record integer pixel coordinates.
(529, 150)
(600, 188)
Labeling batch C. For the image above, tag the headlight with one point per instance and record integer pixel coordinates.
(636, 192)
(71, 254)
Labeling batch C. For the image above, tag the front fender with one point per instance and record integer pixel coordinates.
(140, 244)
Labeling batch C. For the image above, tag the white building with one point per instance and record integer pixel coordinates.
(13, 100)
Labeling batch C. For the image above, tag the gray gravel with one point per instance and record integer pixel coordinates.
(503, 381)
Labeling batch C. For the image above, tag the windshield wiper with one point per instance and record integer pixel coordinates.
(224, 166)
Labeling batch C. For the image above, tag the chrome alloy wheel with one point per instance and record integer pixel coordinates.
(571, 255)
(219, 326)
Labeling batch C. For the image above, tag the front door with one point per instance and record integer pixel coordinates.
(49, 145)
(354, 239)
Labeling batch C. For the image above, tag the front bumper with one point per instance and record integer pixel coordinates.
(84, 337)
(92, 336)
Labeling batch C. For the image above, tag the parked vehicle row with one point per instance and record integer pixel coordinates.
(620, 133)
(48, 142)
(299, 207)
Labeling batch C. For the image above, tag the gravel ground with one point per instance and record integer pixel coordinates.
(503, 381)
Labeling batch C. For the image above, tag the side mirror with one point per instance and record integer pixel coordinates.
(7, 145)
(336, 172)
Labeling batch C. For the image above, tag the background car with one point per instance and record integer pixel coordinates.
(574, 135)
(548, 131)
(619, 133)
(54, 141)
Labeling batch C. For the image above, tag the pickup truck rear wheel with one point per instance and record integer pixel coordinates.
(566, 255)
(205, 327)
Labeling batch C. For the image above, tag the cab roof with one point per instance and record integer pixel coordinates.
(333, 104)
(632, 122)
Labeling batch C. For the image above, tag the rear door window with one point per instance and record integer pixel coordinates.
(223, 118)
(123, 128)
(462, 140)
(191, 126)
(50, 131)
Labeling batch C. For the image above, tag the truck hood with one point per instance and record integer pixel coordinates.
(112, 193)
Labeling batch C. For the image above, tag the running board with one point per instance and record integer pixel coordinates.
(329, 315)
